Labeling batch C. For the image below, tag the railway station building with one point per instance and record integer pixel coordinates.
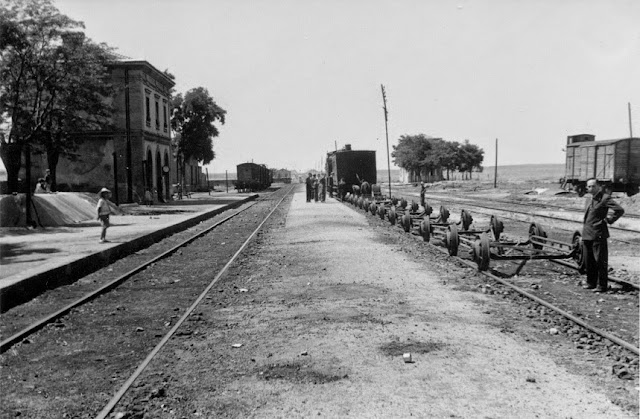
(137, 154)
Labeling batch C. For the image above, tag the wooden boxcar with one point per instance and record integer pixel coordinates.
(615, 163)
(253, 177)
(353, 166)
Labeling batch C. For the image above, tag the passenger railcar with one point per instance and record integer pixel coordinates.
(253, 177)
(354, 166)
(614, 163)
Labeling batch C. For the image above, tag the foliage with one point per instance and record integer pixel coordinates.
(423, 153)
(411, 151)
(470, 157)
(192, 121)
(53, 80)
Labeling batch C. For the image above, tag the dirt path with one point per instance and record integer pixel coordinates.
(328, 312)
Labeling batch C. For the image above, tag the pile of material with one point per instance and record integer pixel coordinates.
(49, 210)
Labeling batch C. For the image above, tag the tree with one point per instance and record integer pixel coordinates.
(53, 83)
(470, 157)
(192, 121)
(411, 152)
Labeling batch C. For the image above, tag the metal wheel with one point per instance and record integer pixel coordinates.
(425, 229)
(578, 257)
(392, 216)
(414, 206)
(403, 203)
(406, 223)
(581, 189)
(536, 229)
(482, 252)
(382, 211)
(365, 205)
(394, 201)
(452, 240)
(466, 219)
(497, 227)
(373, 208)
(444, 214)
(427, 209)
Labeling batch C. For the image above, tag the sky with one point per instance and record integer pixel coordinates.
(300, 77)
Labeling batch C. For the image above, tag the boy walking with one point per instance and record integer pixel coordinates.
(103, 213)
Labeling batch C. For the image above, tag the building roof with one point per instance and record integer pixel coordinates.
(131, 63)
(601, 142)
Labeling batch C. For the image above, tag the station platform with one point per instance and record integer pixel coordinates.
(32, 260)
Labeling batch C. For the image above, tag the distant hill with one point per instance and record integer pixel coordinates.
(383, 176)
(524, 172)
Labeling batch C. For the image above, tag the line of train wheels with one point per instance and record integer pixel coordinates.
(483, 245)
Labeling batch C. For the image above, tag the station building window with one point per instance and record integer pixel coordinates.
(164, 114)
(148, 110)
(157, 115)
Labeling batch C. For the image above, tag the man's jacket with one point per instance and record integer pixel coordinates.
(595, 217)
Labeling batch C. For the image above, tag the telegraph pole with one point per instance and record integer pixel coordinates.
(386, 129)
(630, 126)
(495, 171)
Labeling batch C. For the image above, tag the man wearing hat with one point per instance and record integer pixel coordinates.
(103, 212)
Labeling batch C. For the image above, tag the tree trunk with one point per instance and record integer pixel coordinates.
(11, 154)
(53, 156)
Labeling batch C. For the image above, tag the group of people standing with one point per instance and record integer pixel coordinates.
(317, 187)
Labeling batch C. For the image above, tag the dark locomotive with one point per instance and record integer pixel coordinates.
(614, 163)
(253, 177)
(354, 166)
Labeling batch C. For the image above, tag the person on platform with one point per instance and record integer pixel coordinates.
(342, 188)
(309, 187)
(314, 185)
(595, 233)
(41, 187)
(322, 191)
(48, 180)
(103, 213)
(330, 185)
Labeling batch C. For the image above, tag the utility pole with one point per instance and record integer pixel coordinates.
(630, 126)
(386, 129)
(495, 170)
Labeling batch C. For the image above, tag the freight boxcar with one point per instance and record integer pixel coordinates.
(354, 166)
(253, 177)
(614, 163)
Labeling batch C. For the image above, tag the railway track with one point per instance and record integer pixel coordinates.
(151, 295)
(629, 346)
(527, 218)
(475, 204)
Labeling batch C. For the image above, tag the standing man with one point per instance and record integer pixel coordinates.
(314, 185)
(48, 180)
(322, 191)
(330, 185)
(309, 187)
(342, 188)
(595, 234)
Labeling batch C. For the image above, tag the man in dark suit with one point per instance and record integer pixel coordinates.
(309, 187)
(595, 234)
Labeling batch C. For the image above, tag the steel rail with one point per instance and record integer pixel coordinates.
(611, 277)
(34, 327)
(127, 385)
